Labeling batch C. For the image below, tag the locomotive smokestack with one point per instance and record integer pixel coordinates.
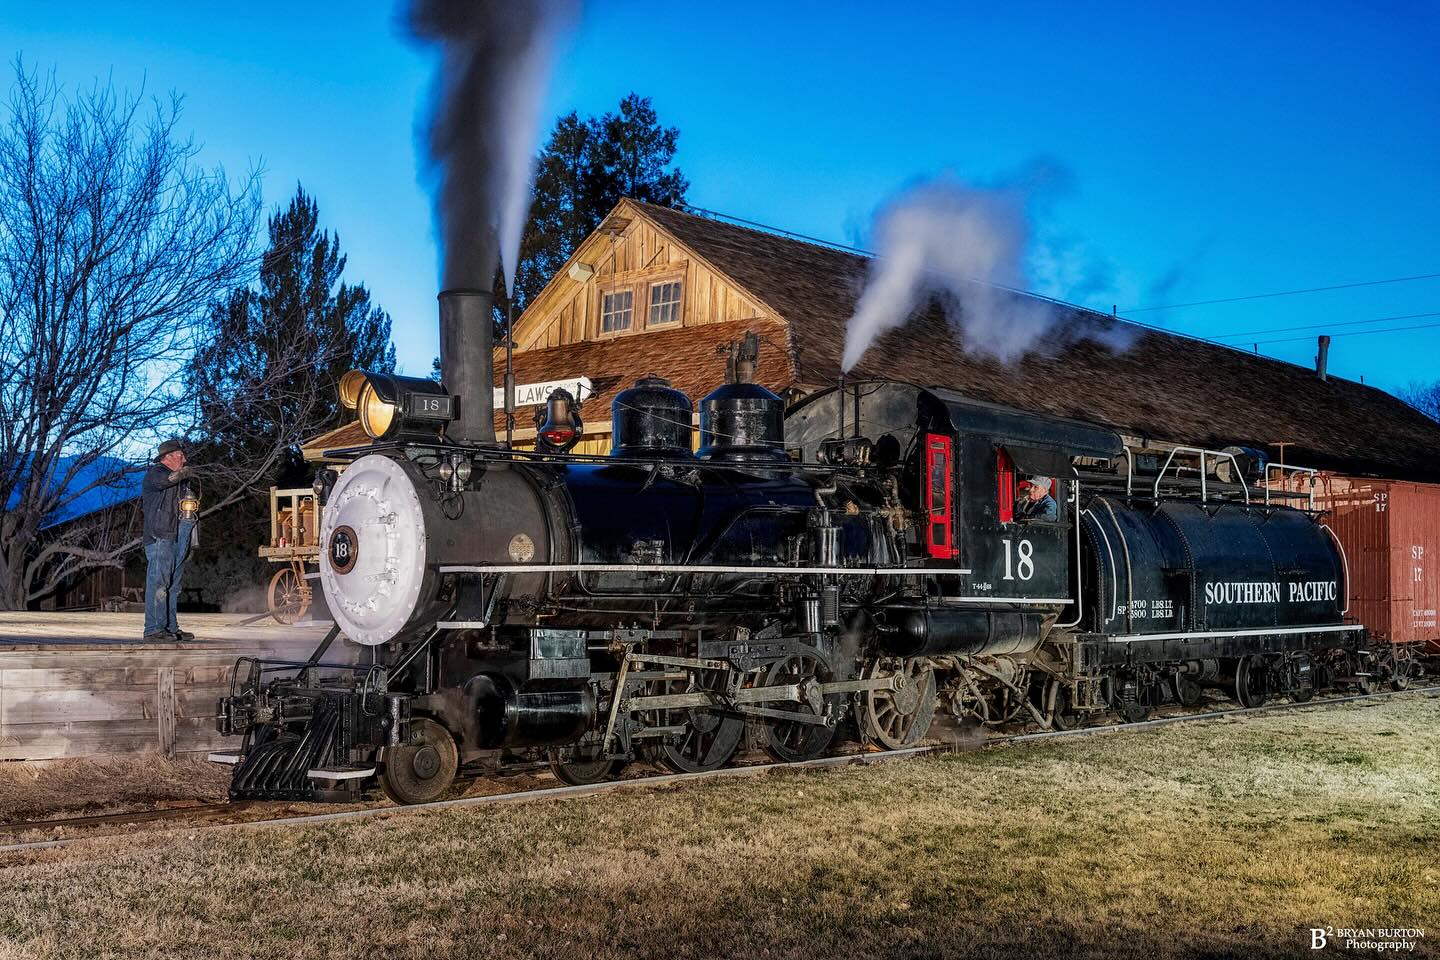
(467, 339)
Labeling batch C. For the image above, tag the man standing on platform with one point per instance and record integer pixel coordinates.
(171, 509)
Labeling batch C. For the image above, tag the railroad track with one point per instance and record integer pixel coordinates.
(195, 816)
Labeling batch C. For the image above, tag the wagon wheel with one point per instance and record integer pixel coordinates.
(710, 737)
(288, 596)
(789, 741)
(582, 766)
(898, 718)
(423, 769)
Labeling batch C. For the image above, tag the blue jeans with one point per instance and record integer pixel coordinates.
(165, 567)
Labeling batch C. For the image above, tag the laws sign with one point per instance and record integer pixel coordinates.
(534, 394)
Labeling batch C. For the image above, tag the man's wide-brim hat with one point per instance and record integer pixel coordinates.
(168, 447)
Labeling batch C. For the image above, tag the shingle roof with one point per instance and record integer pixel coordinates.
(1163, 386)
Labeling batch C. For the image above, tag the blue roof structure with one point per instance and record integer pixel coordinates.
(122, 486)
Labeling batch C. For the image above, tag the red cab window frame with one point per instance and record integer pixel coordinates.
(1005, 485)
(939, 501)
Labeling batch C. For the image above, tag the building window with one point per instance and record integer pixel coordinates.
(616, 311)
(664, 302)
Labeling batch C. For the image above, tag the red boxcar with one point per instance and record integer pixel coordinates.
(1391, 534)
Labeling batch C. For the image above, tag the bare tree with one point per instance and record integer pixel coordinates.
(1424, 397)
(113, 244)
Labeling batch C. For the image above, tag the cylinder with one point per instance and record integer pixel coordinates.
(529, 718)
(467, 338)
(915, 632)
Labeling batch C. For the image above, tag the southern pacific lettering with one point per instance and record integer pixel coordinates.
(1263, 591)
(1246, 591)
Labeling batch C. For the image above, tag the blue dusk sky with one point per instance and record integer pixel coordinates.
(1219, 152)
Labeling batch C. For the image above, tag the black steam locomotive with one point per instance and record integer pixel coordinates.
(843, 570)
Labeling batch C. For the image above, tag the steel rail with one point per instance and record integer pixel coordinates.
(660, 780)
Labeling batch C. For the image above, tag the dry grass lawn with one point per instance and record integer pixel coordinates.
(1226, 838)
(98, 785)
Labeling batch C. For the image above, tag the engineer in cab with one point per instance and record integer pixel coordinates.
(1034, 502)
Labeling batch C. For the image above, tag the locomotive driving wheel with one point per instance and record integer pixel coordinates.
(898, 718)
(582, 766)
(289, 594)
(423, 769)
(792, 740)
(710, 737)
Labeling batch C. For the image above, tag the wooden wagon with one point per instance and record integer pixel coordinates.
(295, 546)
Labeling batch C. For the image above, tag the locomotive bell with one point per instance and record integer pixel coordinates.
(562, 426)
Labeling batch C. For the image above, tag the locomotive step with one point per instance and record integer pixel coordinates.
(340, 772)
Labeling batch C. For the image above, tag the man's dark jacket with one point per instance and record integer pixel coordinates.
(160, 502)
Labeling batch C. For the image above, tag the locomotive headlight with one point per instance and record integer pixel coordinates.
(390, 406)
(351, 384)
(376, 416)
(447, 470)
(462, 471)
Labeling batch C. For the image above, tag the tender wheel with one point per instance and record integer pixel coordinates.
(1401, 666)
(1063, 715)
(1252, 681)
(899, 718)
(790, 741)
(423, 769)
(1187, 692)
(1364, 670)
(584, 767)
(710, 738)
(288, 596)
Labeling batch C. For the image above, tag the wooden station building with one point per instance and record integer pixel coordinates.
(654, 290)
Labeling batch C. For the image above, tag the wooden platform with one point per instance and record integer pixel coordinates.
(85, 684)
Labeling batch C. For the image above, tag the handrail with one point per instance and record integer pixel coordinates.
(1114, 581)
(1204, 464)
(1079, 572)
(1282, 467)
(1344, 565)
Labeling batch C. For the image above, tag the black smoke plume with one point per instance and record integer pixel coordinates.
(484, 122)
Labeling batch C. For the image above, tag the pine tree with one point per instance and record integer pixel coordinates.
(269, 371)
(265, 381)
(586, 167)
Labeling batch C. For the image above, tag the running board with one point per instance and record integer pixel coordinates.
(228, 757)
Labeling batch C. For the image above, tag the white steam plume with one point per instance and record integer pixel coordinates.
(958, 245)
(484, 124)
